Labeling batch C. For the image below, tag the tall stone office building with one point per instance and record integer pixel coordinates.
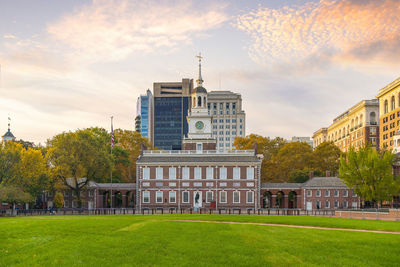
(171, 106)
(228, 117)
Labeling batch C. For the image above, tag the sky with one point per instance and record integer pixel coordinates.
(67, 65)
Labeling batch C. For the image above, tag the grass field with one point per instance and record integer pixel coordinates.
(158, 240)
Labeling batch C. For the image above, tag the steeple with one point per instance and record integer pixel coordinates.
(200, 79)
(8, 135)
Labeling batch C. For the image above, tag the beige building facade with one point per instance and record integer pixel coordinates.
(355, 127)
(389, 110)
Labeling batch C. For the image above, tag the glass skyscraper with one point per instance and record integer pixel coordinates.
(143, 119)
(171, 106)
(170, 124)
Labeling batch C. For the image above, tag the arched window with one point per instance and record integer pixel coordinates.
(372, 118)
(398, 100)
(361, 120)
(204, 101)
(356, 122)
(344, 131)
(194, 101)
(199, 101)
(393, 103)
(352, 124)
(386, 108)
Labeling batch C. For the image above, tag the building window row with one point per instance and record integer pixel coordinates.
(209, 197)
(198, 173)
(327, 193)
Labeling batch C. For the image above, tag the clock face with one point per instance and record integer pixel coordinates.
(199, 125)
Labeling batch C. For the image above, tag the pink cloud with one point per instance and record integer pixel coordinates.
(330, 30)
(112, 30)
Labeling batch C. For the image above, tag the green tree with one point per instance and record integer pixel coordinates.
(266, 146)
(129, 141)
(10, 157)
(79, 157)
(14, 195)
(290, 158)
(58, 200)
(326, 157)
(370, 174)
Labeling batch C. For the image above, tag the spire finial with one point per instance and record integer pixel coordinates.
(9, 122)
(200, 79)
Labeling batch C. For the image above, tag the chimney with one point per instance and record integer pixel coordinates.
(255, 148)
(311, 174)
(328, 173)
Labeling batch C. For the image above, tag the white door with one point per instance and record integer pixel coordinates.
(309, 205)
(90, 205)
(197, 199)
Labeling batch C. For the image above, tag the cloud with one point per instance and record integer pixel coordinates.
(112, 30)
(9, 36)
(319, 33)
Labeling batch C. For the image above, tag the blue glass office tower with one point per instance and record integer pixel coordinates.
(143, 118)
(171, 106)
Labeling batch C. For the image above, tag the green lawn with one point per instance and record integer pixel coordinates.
(156, 240)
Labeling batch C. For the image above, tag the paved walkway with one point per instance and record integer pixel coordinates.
(296, 226)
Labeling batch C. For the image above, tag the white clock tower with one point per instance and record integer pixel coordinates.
(199, 120)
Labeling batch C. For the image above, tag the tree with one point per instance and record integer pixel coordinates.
(290, 158)
(266, 146)
(130, 141)
(58, 200)
(326, 157)
(13, 194)
(370, 174)
(79, 157)
(32, 173)
(10, 157)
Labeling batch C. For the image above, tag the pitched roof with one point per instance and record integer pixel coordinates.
(324, 182)
(9, 134)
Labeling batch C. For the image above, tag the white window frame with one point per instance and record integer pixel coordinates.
(185, 173)
(183, 198)
(197, 173)
(336, 193)
(236, 173)
(345, 204)
(318, 193)
(212, 196)
(336, 204)
(233, 194)
(329, 193)
(318, 203)
(146, 173)
(158, 193)
(346, 193)
(172, 173)
(250, 173)
(210, 173)
(144, 195)
(329, 204)
(172, 194)
(252, 196)
(220, 197)
(223, 173)
(309, 193)
(159, 173)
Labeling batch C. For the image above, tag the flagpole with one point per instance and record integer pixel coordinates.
(111, 149)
